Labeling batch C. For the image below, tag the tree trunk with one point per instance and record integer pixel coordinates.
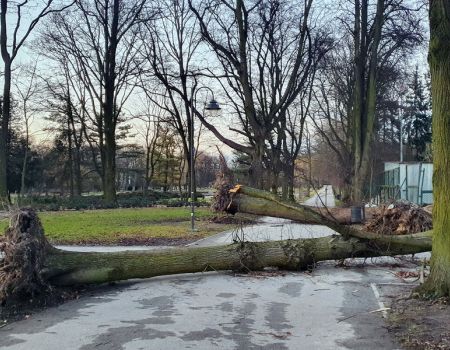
(70, 158)
(290, 177)
(110, 111)
(253, 201)
(4, 133)
(438, 283)
(364, 110)
(6, 103)
(78, 178)
(69, 268)
(25, 156)
(32, 264)
(109, 170)
(256, 171)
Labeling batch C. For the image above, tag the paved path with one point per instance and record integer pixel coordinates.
(267, 229)
(323, 198)
(328, 309)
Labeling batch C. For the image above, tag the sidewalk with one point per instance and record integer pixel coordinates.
(323, 198)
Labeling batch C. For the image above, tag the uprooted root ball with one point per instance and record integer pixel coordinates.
(400, 218)
(24, 247)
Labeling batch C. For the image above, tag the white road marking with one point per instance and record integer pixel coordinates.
(377, 296)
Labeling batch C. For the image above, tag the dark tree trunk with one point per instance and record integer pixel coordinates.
(4, 133)
(110, 112)
(438, 283)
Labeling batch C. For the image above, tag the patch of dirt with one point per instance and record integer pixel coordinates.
(421, 324)
(135, 240)
(15, 310)
(155, 241)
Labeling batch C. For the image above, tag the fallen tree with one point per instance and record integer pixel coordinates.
(253, 201)
(31, 265)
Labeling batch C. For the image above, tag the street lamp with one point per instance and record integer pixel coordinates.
(213, 105)
(400, 114)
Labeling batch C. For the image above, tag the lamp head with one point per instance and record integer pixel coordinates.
(213, 105)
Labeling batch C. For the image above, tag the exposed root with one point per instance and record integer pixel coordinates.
(223, 185)
(24, 248)
(400, 218)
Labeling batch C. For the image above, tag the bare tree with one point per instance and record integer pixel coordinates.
(150, 132)
(374, 43)
(67, 113)
(22, 18)
(27, 88)
(100, 38)
(266, 51)
(171, 44)
(375, 38)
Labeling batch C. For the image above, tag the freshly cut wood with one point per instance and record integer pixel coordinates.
(31, 265)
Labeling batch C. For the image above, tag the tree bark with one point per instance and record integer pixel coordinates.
(438, 283)
(365, 92)
(4, 136)
(254, 201)
(110, 110)
(30, 263)
(6, 103)
(71, 268)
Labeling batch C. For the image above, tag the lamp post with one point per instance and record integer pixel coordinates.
(211, 106)
(400, 114)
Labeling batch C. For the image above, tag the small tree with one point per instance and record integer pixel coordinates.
(418, 118)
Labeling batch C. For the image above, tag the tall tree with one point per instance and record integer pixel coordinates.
(367, 43)
(438, 283)
(150, 133)
(99, 38)
(27, 88)
(266, 51)
(15, 28)
(375, 38)
(417, 118)
(171, 44)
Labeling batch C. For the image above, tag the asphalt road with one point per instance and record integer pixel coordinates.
(331, 308)
(323, 198)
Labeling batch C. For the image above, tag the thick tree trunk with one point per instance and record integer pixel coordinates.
(69, 268)
(253, 201)
(256, 171)
(364, 110)
(110, 110)
(109, 169)
(438, 282)
(31, 263)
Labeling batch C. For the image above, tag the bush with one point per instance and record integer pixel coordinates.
(124, 200)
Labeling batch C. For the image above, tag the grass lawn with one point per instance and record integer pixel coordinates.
(126, 226)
